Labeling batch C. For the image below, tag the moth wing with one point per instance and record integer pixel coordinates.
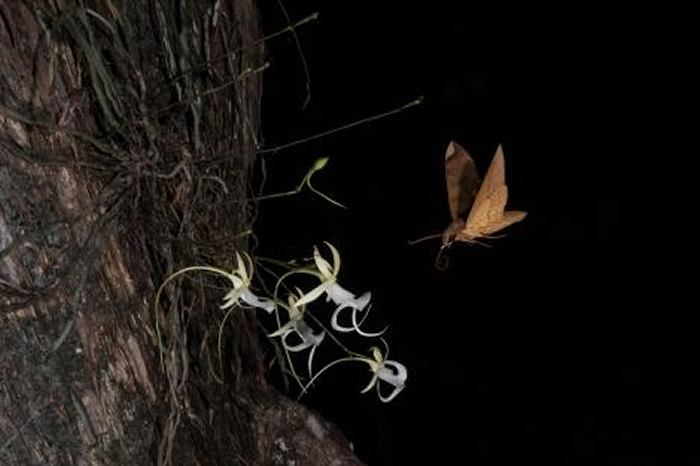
(462, 180)
(488, 212)
(506, 220)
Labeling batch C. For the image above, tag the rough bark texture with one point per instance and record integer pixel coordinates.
(127, 136)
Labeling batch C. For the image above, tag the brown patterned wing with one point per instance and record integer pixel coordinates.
(506, 220)
(462, 180)
(488, 214)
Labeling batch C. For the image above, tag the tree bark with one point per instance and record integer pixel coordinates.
(128, 131)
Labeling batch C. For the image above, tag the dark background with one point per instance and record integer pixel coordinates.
(533, 350)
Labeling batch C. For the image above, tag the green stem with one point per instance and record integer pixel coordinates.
(326, 367)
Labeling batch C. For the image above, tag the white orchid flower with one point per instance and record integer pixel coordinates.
(391, 372)
(384, 371)
(329, 283)
(356, 306)
(297, 326)
(240, 292)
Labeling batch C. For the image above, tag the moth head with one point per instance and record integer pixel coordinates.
(451, 233)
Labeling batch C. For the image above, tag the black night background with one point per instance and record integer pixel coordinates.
(527, 351)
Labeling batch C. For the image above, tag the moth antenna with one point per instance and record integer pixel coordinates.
(424, 238)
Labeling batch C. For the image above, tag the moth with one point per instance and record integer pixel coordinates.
(477, 210)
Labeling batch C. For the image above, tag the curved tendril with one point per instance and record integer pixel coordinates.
(305, 388)
(302, 270)
(357, 326)
(332, 336)
(194, 268)
(287, 353)
(219, 338)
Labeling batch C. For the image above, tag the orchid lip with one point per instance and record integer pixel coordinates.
(355, 324)
(395, 374)
(307, 336)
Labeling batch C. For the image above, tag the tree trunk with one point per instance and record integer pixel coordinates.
(127, 136)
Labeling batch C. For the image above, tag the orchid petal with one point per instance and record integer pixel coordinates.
(357, 305)
(334, 321)
(232, 298)
(313, 295)
(294, 348)
(240, 280)
(336, 258)
(242, 271)
(353, 303)
(356, 325)
(363, 300)
(322, 264)
(237, 281)
(282, 330)
(249, 298)
(307, 336)
(340, 295)
(317, 341)
(306, 333)
(378, 357)
(395, 374)
(391, 396)
(370, 384)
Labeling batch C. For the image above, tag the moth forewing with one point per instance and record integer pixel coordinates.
(508, 218)
(486, 211)
(488, 215)
(462, 180)
(492, 193)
